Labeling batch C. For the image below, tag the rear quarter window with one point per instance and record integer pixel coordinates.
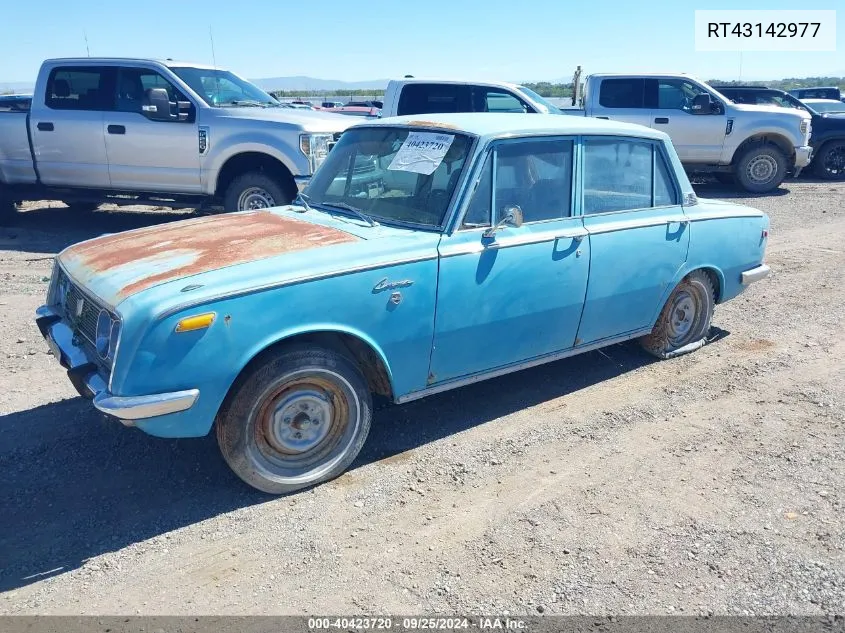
(80, 88)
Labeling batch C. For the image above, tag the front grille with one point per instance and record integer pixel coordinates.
(82, 312)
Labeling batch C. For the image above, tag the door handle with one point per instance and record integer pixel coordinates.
(570, 236)
(45, 126)
(662, 119)
(681, 221)
(116, 129)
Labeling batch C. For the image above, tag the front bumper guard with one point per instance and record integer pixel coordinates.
(86, 379)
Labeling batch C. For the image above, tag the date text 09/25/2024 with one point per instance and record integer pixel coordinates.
(504, 623)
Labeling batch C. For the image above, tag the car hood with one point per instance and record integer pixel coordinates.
(117, 266)
(744, 107)
(308, 120)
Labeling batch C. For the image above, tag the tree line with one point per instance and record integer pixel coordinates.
(563, 90)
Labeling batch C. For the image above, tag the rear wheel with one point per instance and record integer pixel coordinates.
(297, 418)
(685, 319)
(256, 190)
(830, 163)
(761, 168)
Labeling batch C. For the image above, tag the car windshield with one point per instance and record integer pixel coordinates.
(549, 107)
(220, 88)
(827, 106)
(393, 175)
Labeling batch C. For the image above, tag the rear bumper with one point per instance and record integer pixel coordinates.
(755, 274)
(85, 376)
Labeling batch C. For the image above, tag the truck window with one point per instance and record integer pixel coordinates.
(624, 175)
(83, 88)
(434, 98)
(132, 84)
(622, 93)
(676, 94)
(492, 100)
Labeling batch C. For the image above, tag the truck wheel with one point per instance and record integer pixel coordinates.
(255, 190)
(685, 319)
(295, 419)
(830, 163)
(761, 168)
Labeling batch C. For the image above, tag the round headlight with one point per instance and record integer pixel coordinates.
(103, 336)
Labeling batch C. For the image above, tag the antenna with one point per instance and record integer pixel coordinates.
(85, 35)
(213, 57)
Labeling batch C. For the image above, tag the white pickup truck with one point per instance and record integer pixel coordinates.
(757, 146)
(137, 131)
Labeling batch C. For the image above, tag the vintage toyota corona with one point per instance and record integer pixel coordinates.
(484, 244)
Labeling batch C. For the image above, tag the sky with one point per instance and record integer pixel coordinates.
(337, 39)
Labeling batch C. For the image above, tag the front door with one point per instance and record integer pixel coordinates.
(67, 134)
(517, 295)
(147, 155)
(638, 235)
(698, 138)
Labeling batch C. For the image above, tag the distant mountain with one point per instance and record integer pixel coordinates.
(312, 83)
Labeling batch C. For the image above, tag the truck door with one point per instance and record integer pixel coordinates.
(67, 130)
(698, 138)
(622, 99)
(151, 155)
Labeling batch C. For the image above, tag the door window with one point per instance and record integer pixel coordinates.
(84, 88)
(480, 206)
(677, 94)
(622, 93)
(133, 84)
(497, 101)
(625, 174)
(536, 176)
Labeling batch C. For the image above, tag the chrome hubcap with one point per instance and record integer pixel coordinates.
(255, 198)
(761, 169)
(683, 317)
(300, 422)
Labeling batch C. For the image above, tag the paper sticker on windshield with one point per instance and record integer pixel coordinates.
(422, 152)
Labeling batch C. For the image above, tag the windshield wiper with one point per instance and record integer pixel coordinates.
(245, 103)
(304, 198)
(348, 207)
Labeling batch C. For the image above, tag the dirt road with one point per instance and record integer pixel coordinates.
(606, 483)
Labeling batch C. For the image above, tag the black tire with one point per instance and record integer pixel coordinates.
(289, 398)
(761, 168)
(830, 162)
(256, 190)
(725, 178)
(685, 319)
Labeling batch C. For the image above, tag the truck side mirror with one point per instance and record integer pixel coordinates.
(701, 104)
(156, 105)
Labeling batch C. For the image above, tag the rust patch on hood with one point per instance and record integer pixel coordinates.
(146, 257)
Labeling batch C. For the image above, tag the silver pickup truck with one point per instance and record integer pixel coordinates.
(137, 131)
(755, 146)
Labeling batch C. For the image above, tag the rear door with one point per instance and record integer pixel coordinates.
(698, 138)
(638, 235)
(622, 99)
(148, 155)
(67, 131)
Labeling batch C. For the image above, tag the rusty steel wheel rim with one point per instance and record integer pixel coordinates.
(304, 425)
(685, 316)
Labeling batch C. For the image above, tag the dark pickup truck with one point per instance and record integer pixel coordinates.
(827, 132)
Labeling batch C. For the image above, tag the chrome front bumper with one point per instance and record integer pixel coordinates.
(85, 377)
(755, 274)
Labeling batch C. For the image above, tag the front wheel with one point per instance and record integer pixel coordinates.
(684, 321)
(297, 418)
(256, 190)
(830, 163)
(761, 168)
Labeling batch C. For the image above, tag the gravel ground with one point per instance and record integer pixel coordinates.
(606, 483)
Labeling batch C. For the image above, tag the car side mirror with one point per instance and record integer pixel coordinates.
(701, 104)
(513, 217)
(156, 105)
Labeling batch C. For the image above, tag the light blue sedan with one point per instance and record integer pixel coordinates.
(426, 254)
